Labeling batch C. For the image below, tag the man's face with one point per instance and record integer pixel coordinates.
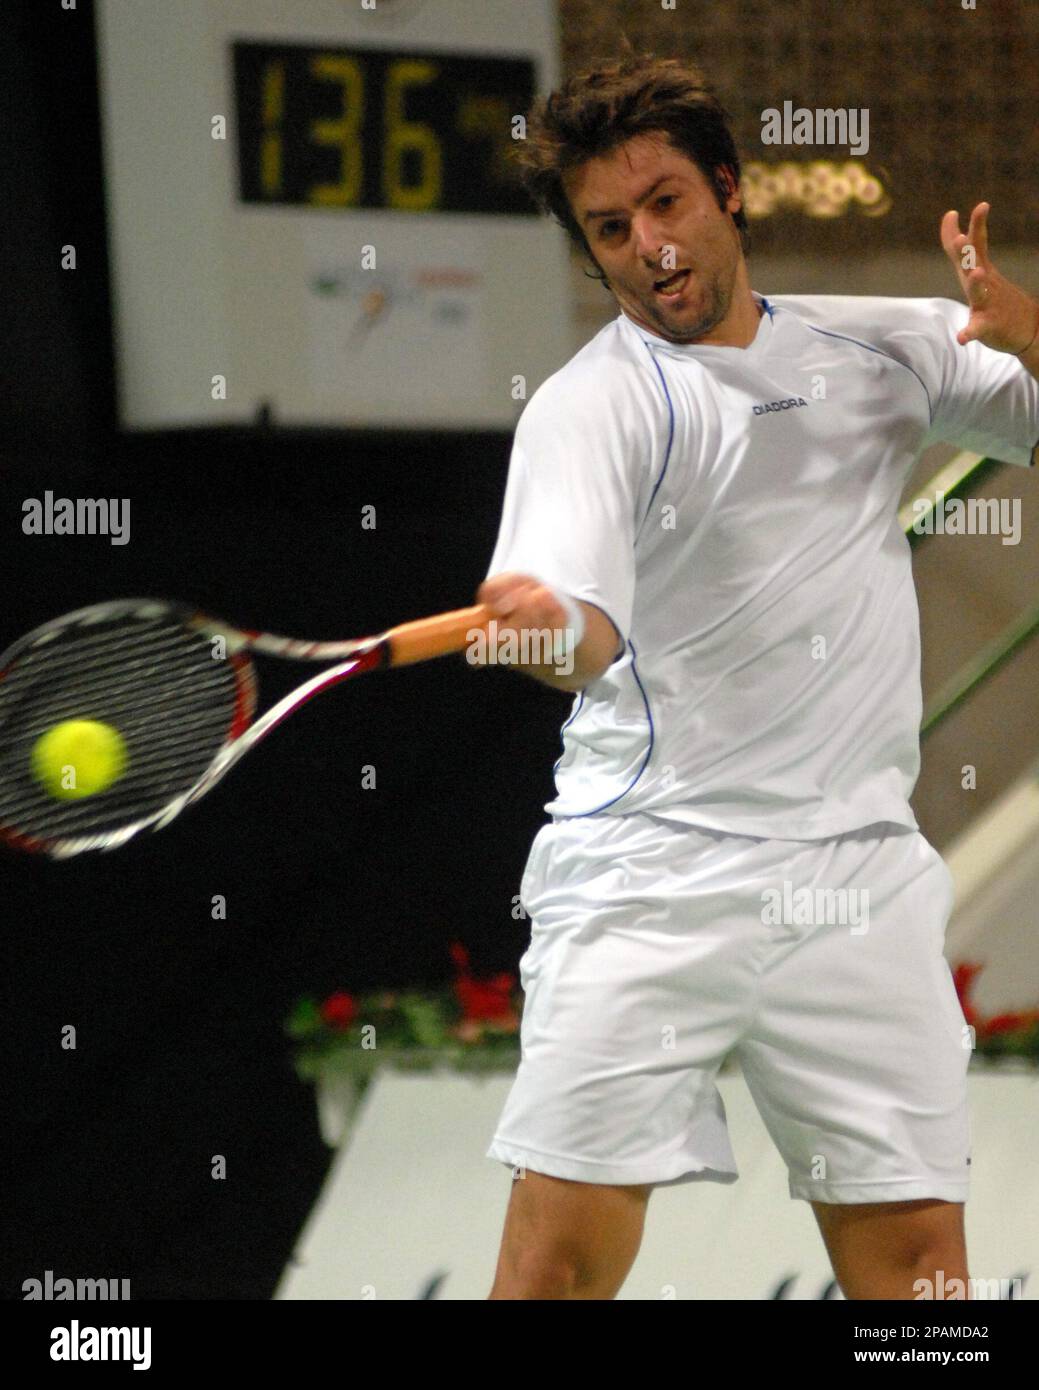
(648, 213)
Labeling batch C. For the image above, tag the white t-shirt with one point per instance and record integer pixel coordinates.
(734, 512)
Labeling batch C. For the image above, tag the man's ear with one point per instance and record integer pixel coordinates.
(727, 178)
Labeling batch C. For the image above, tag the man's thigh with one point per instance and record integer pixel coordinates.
(637, 981)
(902, 1250)
(567, 1239)
(858, 1053)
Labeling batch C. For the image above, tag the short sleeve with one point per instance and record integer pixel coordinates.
(984, 401)
(577, 473)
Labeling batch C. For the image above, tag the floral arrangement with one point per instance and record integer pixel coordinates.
(999, 1035)
(474, 1025)
(471, 1025)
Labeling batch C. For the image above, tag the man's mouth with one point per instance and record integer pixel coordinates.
(672, 285)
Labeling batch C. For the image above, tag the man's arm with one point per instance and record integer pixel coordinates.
(522, 603)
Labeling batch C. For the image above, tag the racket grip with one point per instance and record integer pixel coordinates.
(437, 636)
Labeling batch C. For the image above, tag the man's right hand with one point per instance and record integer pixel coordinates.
(519, 601)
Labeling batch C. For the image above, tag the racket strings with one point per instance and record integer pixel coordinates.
(98, 690)
(154, 681)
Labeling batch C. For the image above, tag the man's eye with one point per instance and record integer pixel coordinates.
(666, 198)
(608, 228)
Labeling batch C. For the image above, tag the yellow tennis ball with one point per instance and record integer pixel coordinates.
(78, 758)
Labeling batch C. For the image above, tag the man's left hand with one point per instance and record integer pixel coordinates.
(1002, 316)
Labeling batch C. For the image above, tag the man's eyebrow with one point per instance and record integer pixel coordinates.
(616, 212)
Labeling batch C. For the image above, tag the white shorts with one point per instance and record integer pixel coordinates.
(659, 949)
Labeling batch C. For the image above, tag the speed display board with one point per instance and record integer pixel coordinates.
(312, 211)
(377, 128)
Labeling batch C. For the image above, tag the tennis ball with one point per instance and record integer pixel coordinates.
(78, 758)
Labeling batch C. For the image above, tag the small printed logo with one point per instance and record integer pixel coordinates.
(766, 406)
(79, 1342)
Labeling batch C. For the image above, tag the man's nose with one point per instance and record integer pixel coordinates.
(649, 241)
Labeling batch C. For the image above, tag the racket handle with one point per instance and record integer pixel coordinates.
(436, 636)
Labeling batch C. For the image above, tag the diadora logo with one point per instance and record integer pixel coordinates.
(766, 406)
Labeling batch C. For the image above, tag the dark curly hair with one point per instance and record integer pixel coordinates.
(603, 107)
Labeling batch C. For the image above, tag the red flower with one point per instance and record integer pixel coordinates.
(963, 979)
(1007, 1023)
(489, 1000)
(339, 1010)
(1001, 1023)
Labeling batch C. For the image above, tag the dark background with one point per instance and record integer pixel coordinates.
(180, 1052)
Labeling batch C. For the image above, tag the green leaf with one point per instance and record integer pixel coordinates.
(425, 1020)
(305, 1019)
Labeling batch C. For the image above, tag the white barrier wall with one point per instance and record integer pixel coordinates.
(412, 1208)
(996, 871)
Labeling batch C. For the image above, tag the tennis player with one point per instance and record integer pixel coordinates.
(705, 497)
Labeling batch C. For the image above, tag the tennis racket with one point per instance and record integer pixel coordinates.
(180, 688)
